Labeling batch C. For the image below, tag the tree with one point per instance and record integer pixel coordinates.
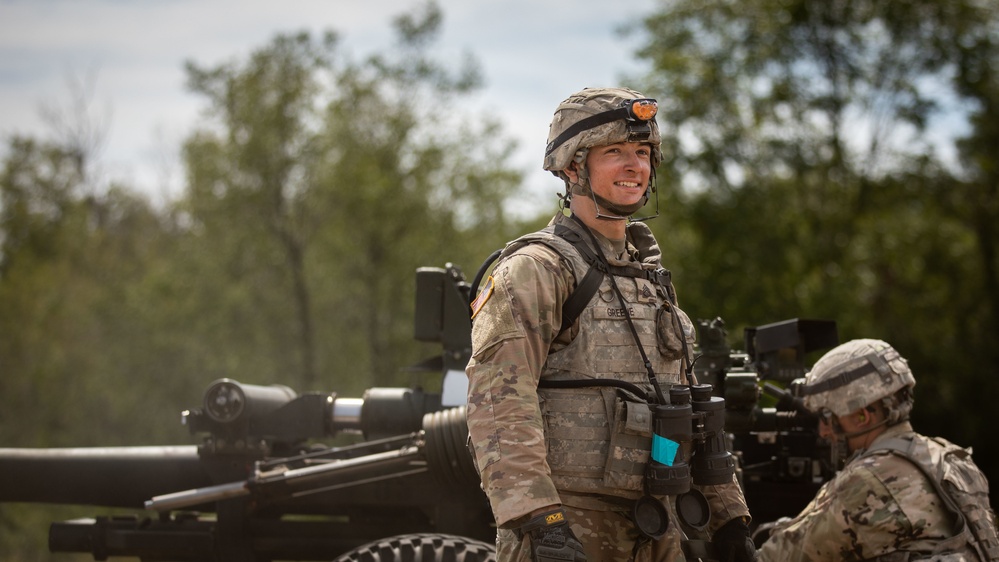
(78, 356)
(810, 182)
(322, 187)
(316, 186)
(69, 313)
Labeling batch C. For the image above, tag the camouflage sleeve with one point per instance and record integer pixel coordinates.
(511, 335)
(726, 502)
(815, 534)
(854, 516)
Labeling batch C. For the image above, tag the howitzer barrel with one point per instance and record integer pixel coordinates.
(106, 476)
(787, 401)
(789, 413)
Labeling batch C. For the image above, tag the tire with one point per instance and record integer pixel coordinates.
(422, 547)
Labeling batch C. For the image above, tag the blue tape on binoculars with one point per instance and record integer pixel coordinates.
(664, 450)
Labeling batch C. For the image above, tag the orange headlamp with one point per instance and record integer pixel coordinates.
(637, 113)
(642, 109)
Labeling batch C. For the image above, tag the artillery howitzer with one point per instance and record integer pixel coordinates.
(782, 460)
(259, 488)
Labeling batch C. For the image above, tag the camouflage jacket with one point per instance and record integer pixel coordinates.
(879, 506)
(516, 340)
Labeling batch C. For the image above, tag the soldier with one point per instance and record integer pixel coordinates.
(901, 496)
(574, 329)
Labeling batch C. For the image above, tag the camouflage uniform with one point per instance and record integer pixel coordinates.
(880, 506)
(538, 447)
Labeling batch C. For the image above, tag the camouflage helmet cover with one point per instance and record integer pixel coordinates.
(587, 103)
(854, 375)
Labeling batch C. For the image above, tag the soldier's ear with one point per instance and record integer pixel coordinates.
(571, 173)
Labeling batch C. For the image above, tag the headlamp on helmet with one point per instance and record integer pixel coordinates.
(637, 114)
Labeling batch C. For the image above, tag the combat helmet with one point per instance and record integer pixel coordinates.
(856, 374)
(598, 117)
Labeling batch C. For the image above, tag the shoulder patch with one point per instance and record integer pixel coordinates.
(483, 296)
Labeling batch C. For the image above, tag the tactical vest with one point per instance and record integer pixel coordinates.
(960, 485)
(598, 438)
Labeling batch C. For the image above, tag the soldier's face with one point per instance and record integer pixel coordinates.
(620, 172)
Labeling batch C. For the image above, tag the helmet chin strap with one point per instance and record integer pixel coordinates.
(887, 420)
(620, 212)
(844, 436)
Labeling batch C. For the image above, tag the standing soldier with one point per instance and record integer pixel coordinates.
(575, 330)
(901, 496)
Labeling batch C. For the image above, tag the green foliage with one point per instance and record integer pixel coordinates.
(316, 186)
(71, 304)
(322, 186)
(804, 181)
(81, 355)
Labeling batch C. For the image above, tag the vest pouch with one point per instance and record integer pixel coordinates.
(576, 436)
(673, 326)
(630, 446)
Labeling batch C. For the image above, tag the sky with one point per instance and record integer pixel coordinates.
(130, 54)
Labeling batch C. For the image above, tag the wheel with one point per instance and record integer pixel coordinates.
(422, 547)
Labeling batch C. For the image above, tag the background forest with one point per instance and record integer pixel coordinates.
(803, 178)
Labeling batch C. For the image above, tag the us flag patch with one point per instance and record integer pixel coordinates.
(483, 296)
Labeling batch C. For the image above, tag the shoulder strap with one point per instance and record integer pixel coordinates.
(585, 288)
(658, 276)
(903, 447)
(588, 286)
(580, 297)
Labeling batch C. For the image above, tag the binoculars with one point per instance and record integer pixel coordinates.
(688, 445)
(688, 442)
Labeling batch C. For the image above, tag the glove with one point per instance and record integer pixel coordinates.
(733, 542)
(551, 538)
